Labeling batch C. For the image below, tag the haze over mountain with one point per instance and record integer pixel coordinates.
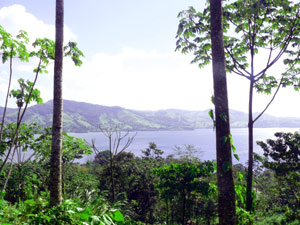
(86, 117)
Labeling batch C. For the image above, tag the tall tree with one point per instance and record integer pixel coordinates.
(269, 27)
(115, 139)
(27, 91)
(55, 184)
(226, 192)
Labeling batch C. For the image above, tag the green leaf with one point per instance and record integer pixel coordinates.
(95, 219)
(231, 139)
(211, 114)
(84, 215)
(233, 148)
(30, 202)
(240, 176)
(212, 99)
(117, 216)
(236, 156)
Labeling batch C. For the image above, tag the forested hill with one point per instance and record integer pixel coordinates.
(85, 117)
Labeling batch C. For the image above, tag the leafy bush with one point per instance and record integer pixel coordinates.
(39, 212)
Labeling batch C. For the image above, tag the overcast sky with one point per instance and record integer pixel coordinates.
(130, 59)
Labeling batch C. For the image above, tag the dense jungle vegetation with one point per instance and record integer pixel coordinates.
(147, 190)
(41, 183)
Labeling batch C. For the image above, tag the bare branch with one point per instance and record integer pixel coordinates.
(277, 89)
(115, 137)
(128, 143)
(29, 158)
(239, 73)
(272, 99)
(96, 150)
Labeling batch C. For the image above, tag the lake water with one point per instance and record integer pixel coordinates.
(202, 139)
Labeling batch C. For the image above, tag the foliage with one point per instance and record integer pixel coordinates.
(133, 178)
(282, 157)
(152, 152)
(188, 153)
(74, 52)
(29, 163)
(243, 216)
(13, 47)
(80, 183)
(37, 211)
(73, 148)
(251, 22)
(268, 26)
(180, 180)
(137, 196)
(44, 51)
(116, 146)
(26, 181)
(284, 152)
(151, 189)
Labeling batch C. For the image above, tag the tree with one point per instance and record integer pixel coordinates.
(115, 137)
(226, 197)
(134, 181)
(55, 185)
(16, 47)
(267, 26)
(10, 48)
(26, 136)
(183, 179)
(37, 142)
(283, 157)
(27, 92)
(71, 49)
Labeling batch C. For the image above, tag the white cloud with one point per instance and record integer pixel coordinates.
(150, 80)
(135, 78)
(15, 17)
(140, 80)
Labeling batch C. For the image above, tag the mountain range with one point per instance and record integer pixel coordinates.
(85, 117)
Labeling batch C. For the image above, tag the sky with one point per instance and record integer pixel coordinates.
(130, 59)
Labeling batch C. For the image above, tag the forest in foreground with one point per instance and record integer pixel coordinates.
(119, 188)
(47, 187)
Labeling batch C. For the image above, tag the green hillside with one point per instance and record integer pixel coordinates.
(85, 117)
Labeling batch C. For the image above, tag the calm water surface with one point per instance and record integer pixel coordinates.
(202, 139)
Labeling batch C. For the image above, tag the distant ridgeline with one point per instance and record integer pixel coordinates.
(84, 117)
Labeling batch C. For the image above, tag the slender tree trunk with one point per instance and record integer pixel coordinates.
(172, 214)
(22, 182)
(226, 191)
(167, 208)
(249, 199)
(10, 169)
(7, 94)
(183, 207)
(189, 205)
(63, 179)
(111, 155)
(55, 185)
(112, 181)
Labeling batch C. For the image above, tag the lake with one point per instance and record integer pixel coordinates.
(202, 139)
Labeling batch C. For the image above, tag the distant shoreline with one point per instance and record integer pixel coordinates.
(80, 117)
(203, 128)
